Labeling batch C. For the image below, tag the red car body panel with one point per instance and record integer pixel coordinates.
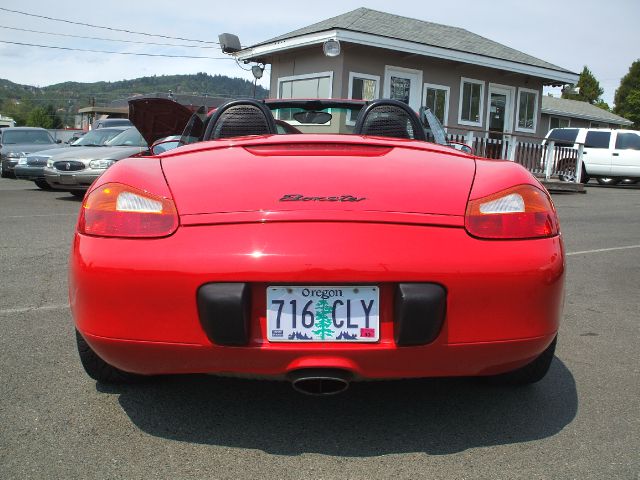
(134, 300)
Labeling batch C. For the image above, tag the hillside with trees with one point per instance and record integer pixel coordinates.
(60, 102)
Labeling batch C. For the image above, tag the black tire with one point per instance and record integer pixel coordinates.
(608, 181)
(532, 372)
(77, 194)
(3, 175)
(42, 184)
(100, 370)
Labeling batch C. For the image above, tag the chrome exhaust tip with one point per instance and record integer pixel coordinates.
(320, 382)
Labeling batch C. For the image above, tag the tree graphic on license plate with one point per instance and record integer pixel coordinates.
(323, 320)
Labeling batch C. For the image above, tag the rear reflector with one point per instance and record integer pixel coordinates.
(117, 210)
(520, 212)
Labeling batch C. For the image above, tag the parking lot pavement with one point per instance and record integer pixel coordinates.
(581, 421)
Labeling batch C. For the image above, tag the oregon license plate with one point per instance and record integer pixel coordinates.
(323, 314)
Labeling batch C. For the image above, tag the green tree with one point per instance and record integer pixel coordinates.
(38, 117)
(56, 121)
(46, 117)
(590, 90)
(323, 320)
(627, 98)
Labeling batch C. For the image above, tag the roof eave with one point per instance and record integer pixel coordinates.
(582, 116)
(261, 52)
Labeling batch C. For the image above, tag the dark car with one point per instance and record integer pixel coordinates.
(17, 142)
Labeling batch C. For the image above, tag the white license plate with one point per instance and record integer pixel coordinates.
(323, 314)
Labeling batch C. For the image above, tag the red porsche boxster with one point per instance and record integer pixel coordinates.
(355, 250)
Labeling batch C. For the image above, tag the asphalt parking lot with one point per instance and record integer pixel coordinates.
(581, 421)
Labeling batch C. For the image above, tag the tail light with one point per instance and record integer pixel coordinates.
(520, 212)
(117, 210)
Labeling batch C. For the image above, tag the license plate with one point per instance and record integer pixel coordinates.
(323, 314)
(68, 180)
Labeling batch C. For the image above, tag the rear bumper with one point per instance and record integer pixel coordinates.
(135, 300)
(386, 361)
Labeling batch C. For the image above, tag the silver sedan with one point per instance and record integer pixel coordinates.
(74, 171)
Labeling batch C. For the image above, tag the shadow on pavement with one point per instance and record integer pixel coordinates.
(436, 416)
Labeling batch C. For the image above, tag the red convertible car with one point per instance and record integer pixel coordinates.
(356, 250)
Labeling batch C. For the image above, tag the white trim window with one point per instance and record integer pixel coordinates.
(527, 111)
(436, 98)
(598, 125)
(471, 105)
(362, 86)
(559, 122)
(312, 85)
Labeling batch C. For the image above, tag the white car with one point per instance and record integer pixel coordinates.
(610, 156)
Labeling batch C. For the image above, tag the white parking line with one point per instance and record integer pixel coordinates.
(48, 215)
(13, 311)
(597, 250)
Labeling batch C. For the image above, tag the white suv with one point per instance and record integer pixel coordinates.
(610, 156)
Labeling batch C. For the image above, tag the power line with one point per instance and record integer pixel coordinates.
(105, 39)
(115, 53)
(106, 28)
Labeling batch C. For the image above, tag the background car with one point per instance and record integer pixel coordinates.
(111, 122)
(17, 142)
(32, 166)
(318, 258)
(609, 156)
(75, 169)
(154, 119)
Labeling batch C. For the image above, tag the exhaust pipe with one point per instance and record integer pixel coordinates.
(321, 382)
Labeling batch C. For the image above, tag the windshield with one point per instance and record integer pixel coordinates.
(35, 137)
(340, 120)
(129, 138)
(97, 137)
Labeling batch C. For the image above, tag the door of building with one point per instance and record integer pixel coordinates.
(403, 84)
(500, 111)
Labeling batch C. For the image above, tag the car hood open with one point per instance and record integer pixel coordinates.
(156, 118)
(341, 175)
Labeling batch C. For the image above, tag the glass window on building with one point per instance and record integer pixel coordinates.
(436, 98)
(527, 110)
(558, 122)
(471, 102)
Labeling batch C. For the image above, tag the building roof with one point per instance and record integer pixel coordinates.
(428, 34)
(577, 109)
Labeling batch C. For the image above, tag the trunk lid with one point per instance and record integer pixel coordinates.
(307, 178)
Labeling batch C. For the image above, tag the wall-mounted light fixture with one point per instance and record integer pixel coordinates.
(257, 71)
(331, 47)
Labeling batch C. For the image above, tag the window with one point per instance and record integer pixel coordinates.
(628, 141)
(597, 139)
(436, 98)
(362, 87)
(564, 137)
(558, 122)
(598, 125)
(527, 114)
(314, 85)
(471, 102)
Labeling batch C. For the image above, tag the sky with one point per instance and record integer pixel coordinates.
(570, 33)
